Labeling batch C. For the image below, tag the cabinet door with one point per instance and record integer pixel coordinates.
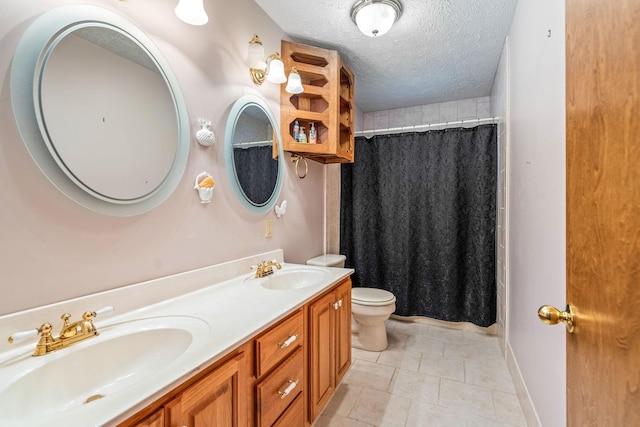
(154, 420)
(321, 352)
(343, 330)
(212, 401)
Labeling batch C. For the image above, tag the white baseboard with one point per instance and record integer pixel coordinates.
(529, 411)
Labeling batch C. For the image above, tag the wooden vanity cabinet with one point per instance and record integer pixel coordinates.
(217, 397)
(280, 382)
(254, 385)
(329, 344)
(215, 400)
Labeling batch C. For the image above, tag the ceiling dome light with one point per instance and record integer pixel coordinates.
(192, 12)
(375, 17)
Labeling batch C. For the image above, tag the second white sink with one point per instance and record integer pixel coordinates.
(294, 278)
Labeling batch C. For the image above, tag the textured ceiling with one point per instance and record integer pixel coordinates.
(439, 50)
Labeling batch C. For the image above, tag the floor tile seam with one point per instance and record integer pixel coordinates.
(511, 390)
(354, 400)
(400, 367)
(495, 416)
(519, 407)
(417, 372)
(388, 393)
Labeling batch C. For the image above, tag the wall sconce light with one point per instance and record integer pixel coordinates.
(192, 12)
(270, 69)
(375, 17)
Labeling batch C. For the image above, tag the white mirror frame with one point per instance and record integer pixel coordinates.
(240, 105)
(25, 74)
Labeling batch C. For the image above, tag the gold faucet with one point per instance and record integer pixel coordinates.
(265, 268)
(71, 332)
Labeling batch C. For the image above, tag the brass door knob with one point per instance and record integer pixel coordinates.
(552, 316)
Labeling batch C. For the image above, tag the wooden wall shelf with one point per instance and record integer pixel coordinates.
(327, 101)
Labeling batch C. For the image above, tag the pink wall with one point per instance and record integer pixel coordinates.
(52, 249)
(537, 267)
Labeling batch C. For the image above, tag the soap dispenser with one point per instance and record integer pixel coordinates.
(302, 137)
(313, 136)
(296, 130)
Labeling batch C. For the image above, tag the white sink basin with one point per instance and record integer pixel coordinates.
(122, 355)
(294, 278)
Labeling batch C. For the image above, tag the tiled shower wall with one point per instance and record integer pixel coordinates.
(465, 109)
(499, 109)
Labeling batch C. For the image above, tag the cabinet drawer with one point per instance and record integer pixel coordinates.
(279, 342)
(293, 416)
(276, 392)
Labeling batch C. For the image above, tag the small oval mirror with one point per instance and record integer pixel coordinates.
(253, 154)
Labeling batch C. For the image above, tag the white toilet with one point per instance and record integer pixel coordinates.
(370, 308)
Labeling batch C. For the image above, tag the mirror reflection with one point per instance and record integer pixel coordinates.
(253, 154)
(99, 110)
(116, 145)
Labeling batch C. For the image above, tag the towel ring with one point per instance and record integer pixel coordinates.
(296, 159)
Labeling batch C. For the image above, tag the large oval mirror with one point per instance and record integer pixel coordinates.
(99, 110)
(253, 154)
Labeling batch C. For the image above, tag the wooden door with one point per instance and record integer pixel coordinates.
(213, 401)
(343, 330)
(321, 353)
(603, 211)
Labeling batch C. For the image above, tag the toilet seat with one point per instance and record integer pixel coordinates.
(372, 296)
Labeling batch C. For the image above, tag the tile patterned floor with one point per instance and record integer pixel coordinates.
(430, 376)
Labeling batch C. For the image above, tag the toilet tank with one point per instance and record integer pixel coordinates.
(328, 260)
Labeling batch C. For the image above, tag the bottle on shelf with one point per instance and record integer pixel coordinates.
(296, 130)
(313, 135)
(302, 137)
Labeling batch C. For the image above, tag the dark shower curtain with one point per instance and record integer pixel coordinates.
(257, 172)
(418, 213)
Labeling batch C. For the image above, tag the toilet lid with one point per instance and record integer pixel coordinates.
(372, 296)
(328, 260)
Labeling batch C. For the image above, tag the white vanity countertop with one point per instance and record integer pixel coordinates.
(235, 309)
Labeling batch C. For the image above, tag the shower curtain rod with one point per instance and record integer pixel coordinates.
(428, 126)
(253, 144)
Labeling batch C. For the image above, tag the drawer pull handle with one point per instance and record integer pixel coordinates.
(288, 342)
(289, 389)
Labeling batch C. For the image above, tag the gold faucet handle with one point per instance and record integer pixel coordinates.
(86, 326)
(276, 264)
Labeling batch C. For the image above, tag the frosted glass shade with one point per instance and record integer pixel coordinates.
(375, 17)
(276, 71)
(294, 84)
(255, 57)
(192, 12)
